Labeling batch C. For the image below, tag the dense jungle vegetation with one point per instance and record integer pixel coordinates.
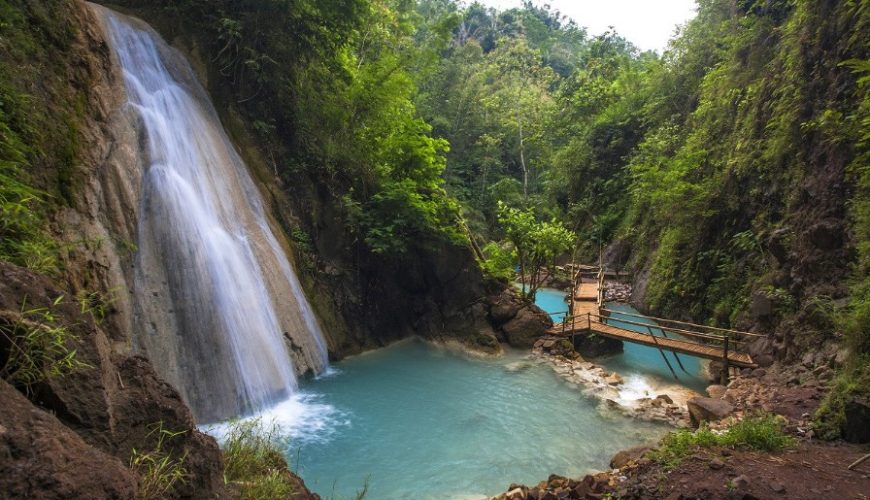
(731, 173)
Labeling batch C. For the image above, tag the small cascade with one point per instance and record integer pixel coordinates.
(219, 309)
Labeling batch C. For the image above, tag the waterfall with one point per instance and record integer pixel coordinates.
(218, 308)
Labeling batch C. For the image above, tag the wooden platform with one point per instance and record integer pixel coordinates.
(586, 292)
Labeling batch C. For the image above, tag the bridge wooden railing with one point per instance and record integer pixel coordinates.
(711, 342)
(711, 331)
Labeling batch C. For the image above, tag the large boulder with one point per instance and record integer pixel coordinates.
(505, 306)
(708, 410)
(527, 326)
(763, 351)
(41, 458)
(595, 346)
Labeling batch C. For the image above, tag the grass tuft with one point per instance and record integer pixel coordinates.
(254, 461)
(159, 471)
(35, 347)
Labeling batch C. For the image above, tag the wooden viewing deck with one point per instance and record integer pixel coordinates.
(588, 316)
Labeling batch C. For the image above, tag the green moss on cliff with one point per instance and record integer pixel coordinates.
(42, 102)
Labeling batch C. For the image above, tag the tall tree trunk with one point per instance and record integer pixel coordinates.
(523, 156)
(522, 270)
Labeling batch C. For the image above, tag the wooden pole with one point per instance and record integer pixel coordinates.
(665, 335)
(858, 462)
(723, 379)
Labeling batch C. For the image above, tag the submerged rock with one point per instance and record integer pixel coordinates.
(664, 398)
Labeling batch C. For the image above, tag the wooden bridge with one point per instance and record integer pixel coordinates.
(587, 315)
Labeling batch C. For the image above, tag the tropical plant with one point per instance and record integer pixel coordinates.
(37, 347)
(159, 471)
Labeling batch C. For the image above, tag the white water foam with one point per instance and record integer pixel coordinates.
(302, 418)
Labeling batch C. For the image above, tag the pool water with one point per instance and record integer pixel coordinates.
(553, 302)
(419, 421)
(647, 362)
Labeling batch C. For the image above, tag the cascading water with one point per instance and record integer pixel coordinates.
(219, 310)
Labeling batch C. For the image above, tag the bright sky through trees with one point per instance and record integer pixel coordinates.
(646, 23)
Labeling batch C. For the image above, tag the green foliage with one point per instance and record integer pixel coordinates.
(159, 472)
(500, 261)
(96, 304)
(36, 347)
(536, 244)
(22, 238)
(851, 383)
(757, 432)
(253, 459)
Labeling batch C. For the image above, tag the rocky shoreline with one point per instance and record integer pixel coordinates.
(813, 469)
(667, 405)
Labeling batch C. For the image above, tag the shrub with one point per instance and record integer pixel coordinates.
(853, 382)
(756, 432)
(759, 432)
(499, 261)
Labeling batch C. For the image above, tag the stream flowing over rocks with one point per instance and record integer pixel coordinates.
(666, 405)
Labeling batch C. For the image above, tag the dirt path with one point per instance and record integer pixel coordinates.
(811, 471)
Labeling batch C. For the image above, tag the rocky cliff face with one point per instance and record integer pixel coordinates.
(103, 411)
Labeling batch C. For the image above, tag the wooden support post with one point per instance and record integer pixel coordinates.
(674, 373)
(573, 333)
(665, 334)
(723, 379)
